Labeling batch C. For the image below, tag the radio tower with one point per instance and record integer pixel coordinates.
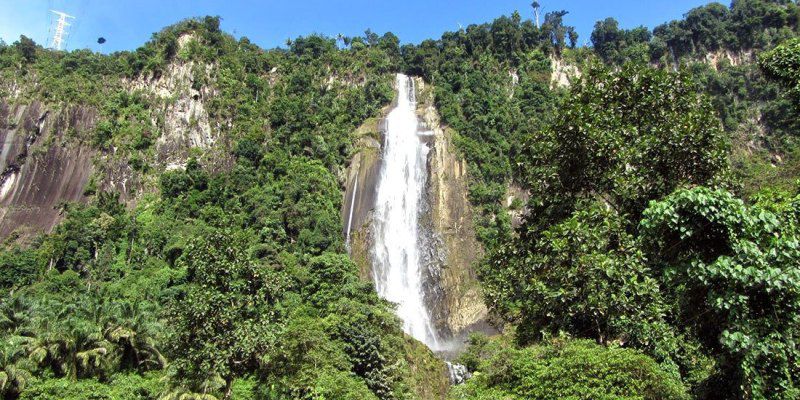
(61, 25)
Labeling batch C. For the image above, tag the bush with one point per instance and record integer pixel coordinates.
(121, 387)
(565, 369)
(19, 267)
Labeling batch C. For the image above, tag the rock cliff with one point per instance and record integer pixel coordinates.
(452, 221)
(46, 156)
(41, 167)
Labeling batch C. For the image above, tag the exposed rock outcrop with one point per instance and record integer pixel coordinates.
(732, 58)
(452, 220)
(185, 122)
(359, 196)
(41, 168)
(562, 73)
(45, 159)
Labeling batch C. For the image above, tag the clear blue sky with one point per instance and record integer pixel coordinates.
(127, 24)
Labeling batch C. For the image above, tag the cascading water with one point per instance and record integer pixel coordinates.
(397, 261)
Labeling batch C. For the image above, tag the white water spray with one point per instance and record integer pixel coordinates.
(350, 218)
(397, 266)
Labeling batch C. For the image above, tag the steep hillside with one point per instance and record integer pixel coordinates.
(41, 168)
(720, 46)
(193, 219)
(661, 217)
(130, 179)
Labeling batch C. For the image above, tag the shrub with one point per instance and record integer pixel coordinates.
(566, 369)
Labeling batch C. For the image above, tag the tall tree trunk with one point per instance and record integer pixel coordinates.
(228, 388)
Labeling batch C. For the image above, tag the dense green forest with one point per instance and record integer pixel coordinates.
(658, 256)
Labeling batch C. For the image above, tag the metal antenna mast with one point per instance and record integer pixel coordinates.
(61, 25)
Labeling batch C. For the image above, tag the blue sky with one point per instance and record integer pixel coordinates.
(127, 24)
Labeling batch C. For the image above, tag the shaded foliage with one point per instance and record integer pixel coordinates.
(563, 369)
(623, 245)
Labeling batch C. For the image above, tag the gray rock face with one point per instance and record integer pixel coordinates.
(186, 122)
(451, 219)
(458, 373)
(41, 169)
(45, 159)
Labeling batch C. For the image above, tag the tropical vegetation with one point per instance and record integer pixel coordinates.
(638, 204)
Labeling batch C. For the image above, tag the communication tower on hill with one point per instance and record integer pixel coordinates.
(61, 31)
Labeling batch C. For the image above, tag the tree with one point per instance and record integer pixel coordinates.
(606, 37)
(536, 10)
(563, 369)
(390, 44)
(573, 37)
(708, 26)
(677, 40)
(356, 322)
(72, 347)
(26, 48)
(555, 31)
(753, 22)
(19, 267)
(371, 38)
(624, 138)
(615, 45)
(131, 328)
(15, 368)
(225, 318)
(783, 65)
(310, 208)
(730, 273)
(249, 150)
(506, 36)
(307, 364)
(584, 276)
(745, 25)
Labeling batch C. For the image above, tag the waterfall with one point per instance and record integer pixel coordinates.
(458, 373)
(397, 261)
(350, 218)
